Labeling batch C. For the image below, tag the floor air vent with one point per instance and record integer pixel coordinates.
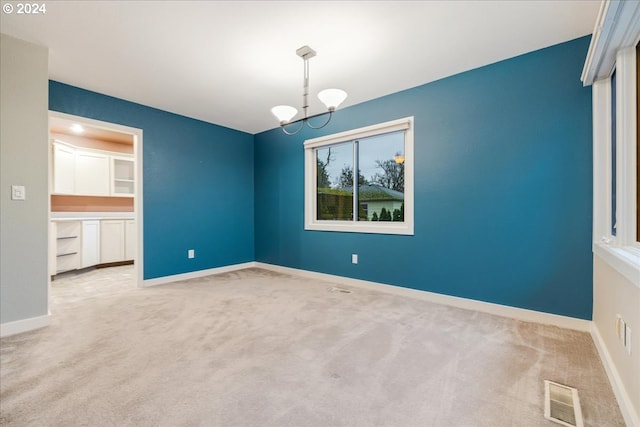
(337, 289)
(562, 404)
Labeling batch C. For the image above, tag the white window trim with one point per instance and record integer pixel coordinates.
(310, 208)
(616, 27)
(622, 251)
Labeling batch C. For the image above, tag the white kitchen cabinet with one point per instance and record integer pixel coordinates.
(53, 248)
(112, 240)
(129, 240)
(92, 173)
(87, 172)
(64, 166)
(90, 243)
(68, 246)
(122, 176)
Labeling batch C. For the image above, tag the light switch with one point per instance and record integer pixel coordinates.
(18, 192)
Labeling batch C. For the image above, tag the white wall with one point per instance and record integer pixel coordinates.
(24, 161)
(614, 294)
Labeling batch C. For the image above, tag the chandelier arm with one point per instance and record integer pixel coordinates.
(317, 115)
(295, 131)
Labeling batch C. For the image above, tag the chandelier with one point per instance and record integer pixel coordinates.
(331, 98)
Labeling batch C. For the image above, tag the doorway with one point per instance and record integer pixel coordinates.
(95, 196)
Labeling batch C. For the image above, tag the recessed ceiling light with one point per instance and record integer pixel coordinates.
(76, 128)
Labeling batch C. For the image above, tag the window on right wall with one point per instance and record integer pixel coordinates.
(638, 142)
(617, 179)
(615, 45)
(614, 187)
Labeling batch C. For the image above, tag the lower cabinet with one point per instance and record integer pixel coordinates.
(117, 240)
(112, 240)
(67, 246)
(85, 243)
(129, 240)
(90, 243)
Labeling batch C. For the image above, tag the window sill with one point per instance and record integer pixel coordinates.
(625, 260)
(361, 227)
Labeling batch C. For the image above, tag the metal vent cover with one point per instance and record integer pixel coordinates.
(341, 290)
(562, 404)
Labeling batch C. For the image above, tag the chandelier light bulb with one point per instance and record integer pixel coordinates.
(332, 98)
(284, 113)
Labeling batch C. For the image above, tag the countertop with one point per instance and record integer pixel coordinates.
(81, 216)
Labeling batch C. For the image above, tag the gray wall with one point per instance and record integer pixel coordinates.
(24, 161)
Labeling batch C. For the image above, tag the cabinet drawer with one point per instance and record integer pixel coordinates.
(67, 262)
(68, 229)
(67, 245)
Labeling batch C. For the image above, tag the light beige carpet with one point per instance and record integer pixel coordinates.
(256, 348)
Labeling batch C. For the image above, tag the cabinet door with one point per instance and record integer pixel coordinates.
(64, 166)
(129, 240)
(92, 173)
(90, 243)
(111, 241)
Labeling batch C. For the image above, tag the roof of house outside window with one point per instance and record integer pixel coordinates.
(367, 193)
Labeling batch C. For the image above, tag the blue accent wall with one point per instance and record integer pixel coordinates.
(503, 189)
(197, 178)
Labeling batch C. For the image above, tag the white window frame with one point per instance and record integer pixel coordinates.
(615, 36)
(384, 227)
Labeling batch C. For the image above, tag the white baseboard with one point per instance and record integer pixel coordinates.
(196, 274)
(469, 304)
(24, 325)
(631, 417)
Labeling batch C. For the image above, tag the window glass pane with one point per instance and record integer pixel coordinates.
(334, 199)
(381, 177)
(613, 153)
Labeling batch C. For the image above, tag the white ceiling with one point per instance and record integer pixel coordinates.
(229, 62)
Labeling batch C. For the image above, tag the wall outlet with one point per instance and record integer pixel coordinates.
(354, 258)
(191, 253)
(627, 339)
(623, 332)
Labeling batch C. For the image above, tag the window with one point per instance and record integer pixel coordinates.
(380, 199)
(613, 152)
(616, 218)
(638, 142)
(616, 197)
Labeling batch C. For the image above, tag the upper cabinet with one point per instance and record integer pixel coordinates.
(122, 176)
(85, 172)
(64, 165)
(92, 173)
